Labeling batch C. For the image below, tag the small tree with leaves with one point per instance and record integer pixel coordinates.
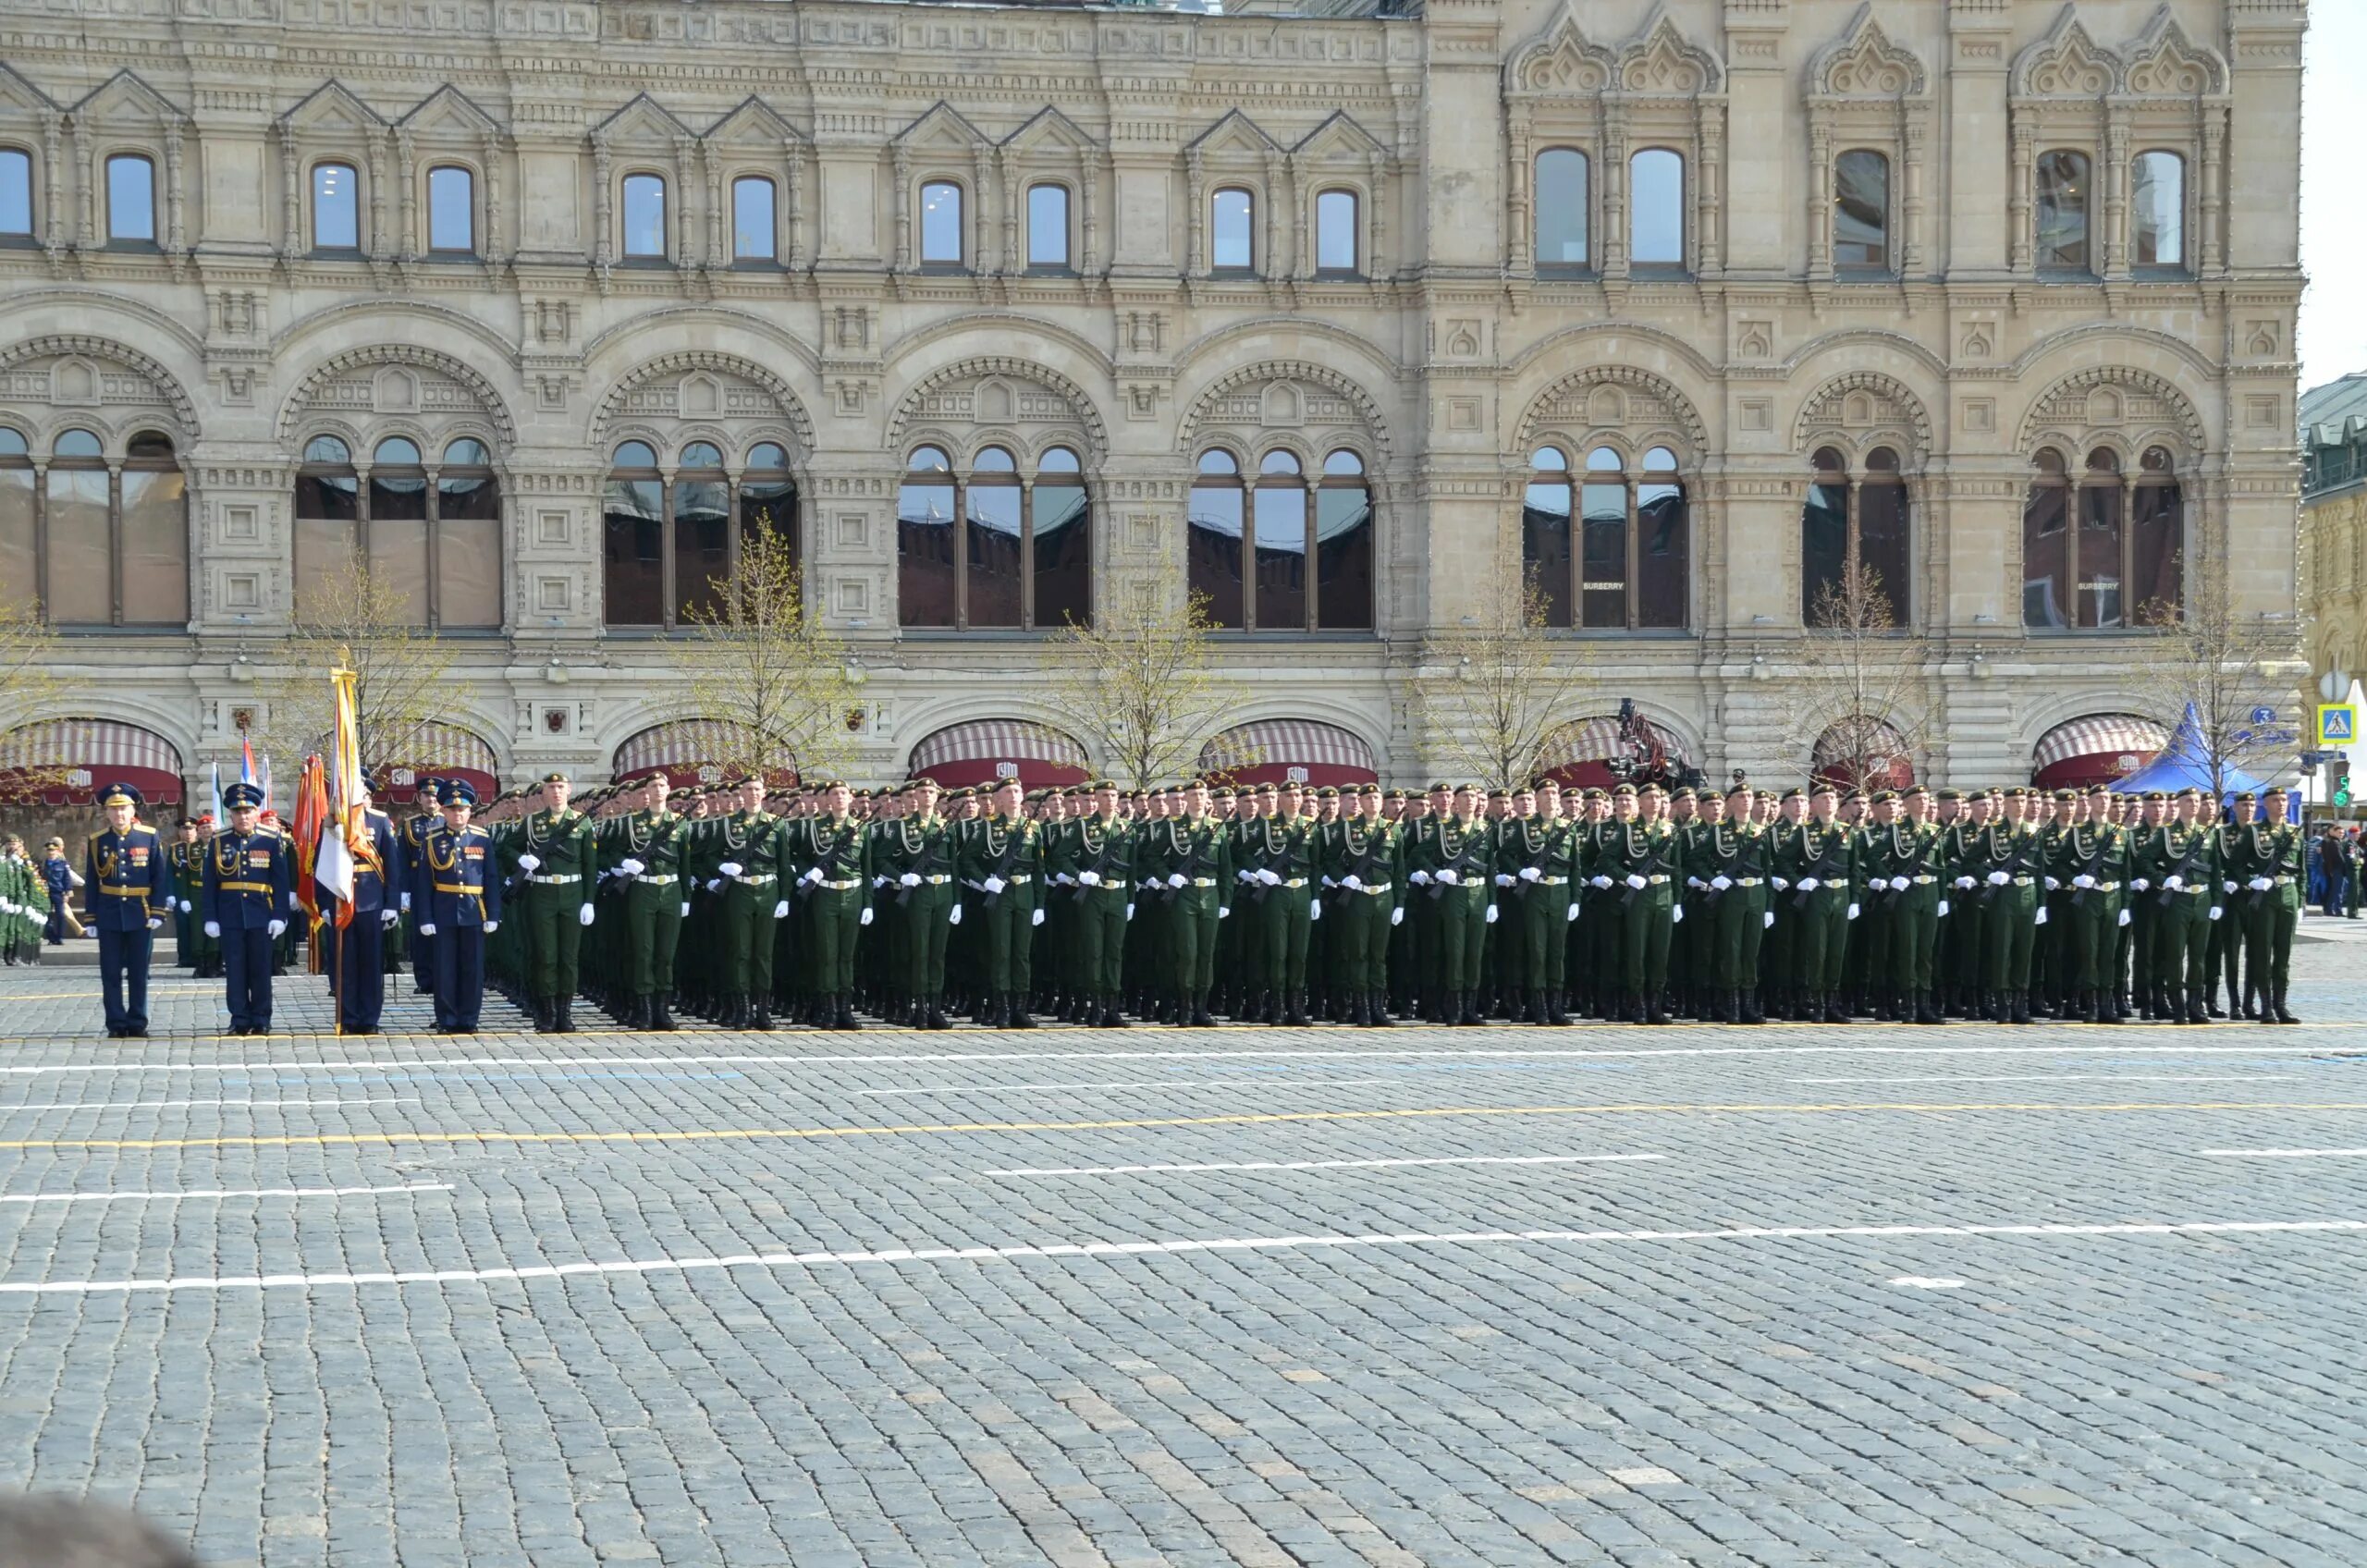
(30, 655)
(1497, 688)
(1141, 684)
(764, 671)
(405, 681)
(1861, 694)
(2222, 663)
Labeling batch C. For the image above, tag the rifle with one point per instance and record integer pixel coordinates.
(1365, 865)
(1656, 865)
(805, 888)
(1822, 872)
(929, 863)
(1101, 866)
(1460, 864)
(2017, 865)
(1202, 863)
(2095, 861)
(2185, 867)
(1003, 865)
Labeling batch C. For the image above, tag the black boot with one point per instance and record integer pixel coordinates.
(1377, 1011)
(1557, 1010)
(2021, 1007)
(543, 1023)
(2283, 1013)
(1020, 1018)
(846, 1019)
(567, 1015)
(1294, 1010)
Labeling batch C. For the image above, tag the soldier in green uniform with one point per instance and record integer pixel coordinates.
(999, 860)
(648, 855)
(1536, 875)
(2268, 862)
(2175, 862)
(1815, 863)
(1091, 859)
(741, 861)
(1725, 865)
(2087, 863)
(1280, 851)
(20, 894)
(1190, 858)
(827, 852)
(549, 861)
(913, 853)
(1636, 869)
(1359, 855)
(1887, 863)
(1451, 866)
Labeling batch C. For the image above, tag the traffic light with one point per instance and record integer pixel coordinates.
(2339, 780)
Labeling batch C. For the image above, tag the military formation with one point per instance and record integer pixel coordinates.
(1272, 904)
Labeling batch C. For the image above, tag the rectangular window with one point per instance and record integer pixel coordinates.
(131, 198)
(940, 224)
(451, 210)
(752, 220)
(1280, 515)
(925, 574)
(1213, 552)
(336, 215)
(1228, 237)
(644, 216)
(155, 547)
(991, 537)
(468, 553)
(1335, 231)
(1603, 564)
(1343, 559)
(1063, 555)
(77, 548)
(1656, 214)
(702, 547)
(17, 582)
(16, 193)
(635, 526)
(2063, 211)
(1545, 545)
(2049, 600)
(1047, 226)
(1861, 211)
(1560, 203)
(2157, 211)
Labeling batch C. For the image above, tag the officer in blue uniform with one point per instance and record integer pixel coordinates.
(250, 898)
(456, 896)
(358, 951)
(409, 837)
(131, 897)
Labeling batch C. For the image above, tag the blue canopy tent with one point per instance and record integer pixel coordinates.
(2185, 763)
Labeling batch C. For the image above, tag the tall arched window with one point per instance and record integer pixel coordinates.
(669, 542)
(1861, 211)
(451, 210)
(752, 234)
(328, 515)
(1855, 520)
(1215, 519)
(1024, 560)
(768, 499)
(20, 563)
(2106, 550)
(1047, 226)
(2063, 201)
(111, 543)
(1344, 545)
(1338, 251)
(16, 195)
(634, 551)
(941, 238)
(394, 527)
(1280, 524)
(2157, 211)
(1230, 246)
(702, 514)
(337, 207)
(1308, 539)
(131, 200)
(466, 565)
(1561, 210)
(643, 215)
(1545, 535)
(1656, 208)
(2156, 541)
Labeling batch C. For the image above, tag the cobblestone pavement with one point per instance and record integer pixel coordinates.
(1473, 1298)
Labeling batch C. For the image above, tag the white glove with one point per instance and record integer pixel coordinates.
(389, 918)
(1695, 882)
(2215, 912)
(1036, 917)
(530, 863)
(426, 928)
(1942, 913)
(1998, 878)
(2041, 918)
(910, 879)
(2174, 883)
(630, 866)
(1602, 882)
(1767, 920)
(185, 909)
(1492, 914)
(1447, 875)
(1964, 882)
(2052, 886)
(1130, 912)
(713, 883)
(879, 882)
(1853, 912)
(1065, 879)
(867, 917)
(730, 868)
(1677, 915)
(1809, 884)
(812, 874)
(1175, 879)
(584, 916)
(2124, 917)
(1503, 879)
(1570, 914)
(2230, 885)
(780, 910)
(1271, 878)
(491, 926)
(2259, 885)
(406, 903)
(1224, 912)
(1419, 879)
(954, 918)
(155, 923)
(1315, 909)
(1353, 883)
(995, 885)
(2141, 886)
(1089, 878)
(1634, 879)
(1722, 882)
(275, 927)
(1898, 884)
(2083, 880)
(1781, 886)
(1530, 872)
(1397, 915)
(686, 909)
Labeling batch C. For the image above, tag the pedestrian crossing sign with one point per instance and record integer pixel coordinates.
(2337, 725)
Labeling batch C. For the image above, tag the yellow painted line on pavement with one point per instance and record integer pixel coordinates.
(720, 1135)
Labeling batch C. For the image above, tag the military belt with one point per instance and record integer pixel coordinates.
(1204, 882)
(1922, 881)
(1748, 881)
(1553, 882)
(1654, 881)
(1374, 889)
(2107, 887)
(2024, 881)
(2188, 889)
(440, 887)
(842, 887)
(264, 888)
(935, 881)
(668, 880)
(560, 881)
(758, 880)
(1295, 882)
(126, 892)
(1019, 881)
(2283, 881)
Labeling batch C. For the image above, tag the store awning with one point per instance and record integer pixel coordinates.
(1288, 751)
(1885, 764)
(436, 751)
(2099, 749)
(988, 751)
(1578, 755)
(64, 761)
(690, 752)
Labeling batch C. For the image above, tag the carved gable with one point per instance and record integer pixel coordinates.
(941, 130)
(2066, 63)
(1864, 62)
(1049, 132)
(753, 124)
(1561, 62)
(123, 98)
(333, 109)
(1340, 140)
(449, 113)
(1661, 62)
(1236, 135)
(19, 96)
(643, 123)
(2163, 63)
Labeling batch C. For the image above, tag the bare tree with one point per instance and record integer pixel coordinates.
(1498, 688)
(404, 675)
(765, 672)
(2224, 665)
(1141, 684)
(1860, 693)
(30, 655)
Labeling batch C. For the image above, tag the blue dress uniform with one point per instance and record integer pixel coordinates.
(360, 950)
(58, 878)
(130, 897)
(409, 837)
(457, 892)
(250, 897)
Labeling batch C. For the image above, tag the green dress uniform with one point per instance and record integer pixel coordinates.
(1190, 862)
(2267, 861)
(550, 862)
(999, 859)
(830, 857)
(1898, 899)
(916, 855)
(646, 855)
(1453, 865)
(1816, 868)
(744, 857)
(1363, 875)
(19, 895)
(1091, 861)
(2011, 858)
(1727, 867)
(1536, 871)
(1273, 870)
(2176, 866)
(1636, 874)
(2088, 863)
(410, 838)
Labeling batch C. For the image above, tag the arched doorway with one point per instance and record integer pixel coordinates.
(988, 750)
(1289, 750)
(2097, 749)
(1862, 754)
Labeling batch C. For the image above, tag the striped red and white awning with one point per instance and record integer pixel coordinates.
(691, 752)
(1886, 761)
(988, 750)
(436, 751)
(65, 760)
(2095, 750)
(1289, 750)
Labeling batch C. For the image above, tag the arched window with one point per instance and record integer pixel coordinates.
(2085, 565)
(1230, 213)
(701, 496)
(1047, 226)
(1344, 545)
(1338, 251)
(1545, 535)
(2157, 211)
(16, 195)
(1560, 209)
(466, 549)
(941, 238)
(112, 544)
(1214, 526)
(328, 515)
(337, 207)
(2156, 541)
(2063, 209)
(395, 530)
(768, 499)
(671, 542)
(451, 210)
(634, 520)
(1861, 211)
(752, 234)
(1656, 208)
(19, 564)
(131, 200)
(1280, 523)
(1855, 521)
(1026, 556)
(644, 217)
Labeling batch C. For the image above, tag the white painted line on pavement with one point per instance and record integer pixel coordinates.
(1328, 1164)
(2284, 1154)
(175, 1104)
(2066, 1078)
(208, 1194)
(1927, 1283)
(1168, 1248)
(1268, 1083)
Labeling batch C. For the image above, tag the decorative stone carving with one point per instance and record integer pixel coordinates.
(1861, 408)
(75, 371)
(2111, 401)
(1006, 394)
(1282, 395)
(421, 386)
(1616, 397)
(718, 390)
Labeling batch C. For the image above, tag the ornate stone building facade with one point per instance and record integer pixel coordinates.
(998, 312)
